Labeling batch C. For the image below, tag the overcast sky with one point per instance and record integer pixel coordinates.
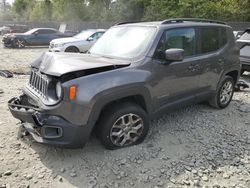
(10, 1)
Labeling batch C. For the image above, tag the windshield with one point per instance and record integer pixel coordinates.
(124, 42)
(84, 35)
(31, 31)
(245, 36)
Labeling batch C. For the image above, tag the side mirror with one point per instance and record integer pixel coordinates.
(90, 39)
(174, 54)
(36, 33)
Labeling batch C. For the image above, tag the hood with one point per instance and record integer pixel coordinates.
(65, 40)
(58, 64)
(15, 34)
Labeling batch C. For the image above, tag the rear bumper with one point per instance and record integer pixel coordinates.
(46, 128)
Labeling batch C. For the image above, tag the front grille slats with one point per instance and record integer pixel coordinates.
(39, 82)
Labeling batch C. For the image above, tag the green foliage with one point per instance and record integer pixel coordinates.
(130, 10)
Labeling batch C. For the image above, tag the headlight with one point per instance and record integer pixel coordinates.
(59, 45)
(58, 90)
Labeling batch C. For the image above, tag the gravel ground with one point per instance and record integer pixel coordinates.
(196, 146)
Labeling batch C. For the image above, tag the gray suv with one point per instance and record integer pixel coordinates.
(135, 72)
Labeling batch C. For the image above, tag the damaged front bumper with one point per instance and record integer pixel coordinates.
(7, 41)
(46, 128)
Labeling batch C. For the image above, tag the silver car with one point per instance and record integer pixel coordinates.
(78, 43)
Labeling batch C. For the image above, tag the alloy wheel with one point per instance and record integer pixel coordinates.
(226, 92)
(126, 130)
(20, 43)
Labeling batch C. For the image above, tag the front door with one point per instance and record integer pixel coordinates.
(176, 82)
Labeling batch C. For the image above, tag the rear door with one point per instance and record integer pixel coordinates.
(176, 82)
(214, 56)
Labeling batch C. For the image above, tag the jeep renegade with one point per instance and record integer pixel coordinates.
(133, 73)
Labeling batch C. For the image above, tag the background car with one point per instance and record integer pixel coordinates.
(244, 45)
(237, 34)
(13, 28)
(78, 43)
(33, 37)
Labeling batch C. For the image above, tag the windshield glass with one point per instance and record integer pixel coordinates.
(124, 42)
(31, 31)
(245, 36)
(84, 35)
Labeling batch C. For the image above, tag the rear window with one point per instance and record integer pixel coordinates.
(245, 36)
(212, 39)
(46, 31)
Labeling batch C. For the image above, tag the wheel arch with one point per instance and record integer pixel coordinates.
(142, 98)
(72, 46)
(234, 74)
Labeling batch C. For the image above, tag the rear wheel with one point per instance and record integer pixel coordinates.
(72, 49)
(224, 94)
(18, 43)
(123, 125)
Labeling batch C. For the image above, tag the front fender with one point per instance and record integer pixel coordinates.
(97, 90)
(106, 97)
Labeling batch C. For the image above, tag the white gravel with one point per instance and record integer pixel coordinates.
(196, 146)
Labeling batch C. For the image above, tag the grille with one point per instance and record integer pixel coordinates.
(39, 82)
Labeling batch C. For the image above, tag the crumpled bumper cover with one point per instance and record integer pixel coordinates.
(45, 128)
(7, 40)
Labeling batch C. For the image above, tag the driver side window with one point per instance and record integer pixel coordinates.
(183, 38)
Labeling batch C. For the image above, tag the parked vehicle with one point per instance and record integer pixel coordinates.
(70, 33)
(133, 73)
(13, 28)
(3, 30)
(238, 34)
(244, 45)
(78, 43)
(33, 37)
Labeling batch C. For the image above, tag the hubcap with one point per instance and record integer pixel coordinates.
(20, 43)
(226, 92)
(126, 130)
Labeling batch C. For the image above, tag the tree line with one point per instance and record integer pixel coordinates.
(125, 10)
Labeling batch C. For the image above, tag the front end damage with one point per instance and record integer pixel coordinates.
(46, 128)
(53, 118)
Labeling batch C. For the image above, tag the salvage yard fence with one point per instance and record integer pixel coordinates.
(78, 26)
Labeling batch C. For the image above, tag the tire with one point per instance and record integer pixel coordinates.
(111, 122)
(227, 89)
(72, 49)
(18, 43)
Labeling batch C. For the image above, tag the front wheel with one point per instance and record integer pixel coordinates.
(123, 125)
(18, 43)
(224, 94)
(72, 49)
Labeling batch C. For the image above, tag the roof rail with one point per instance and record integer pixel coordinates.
(181, 20)
(122, 23)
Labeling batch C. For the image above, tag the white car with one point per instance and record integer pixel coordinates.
(78, 43)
